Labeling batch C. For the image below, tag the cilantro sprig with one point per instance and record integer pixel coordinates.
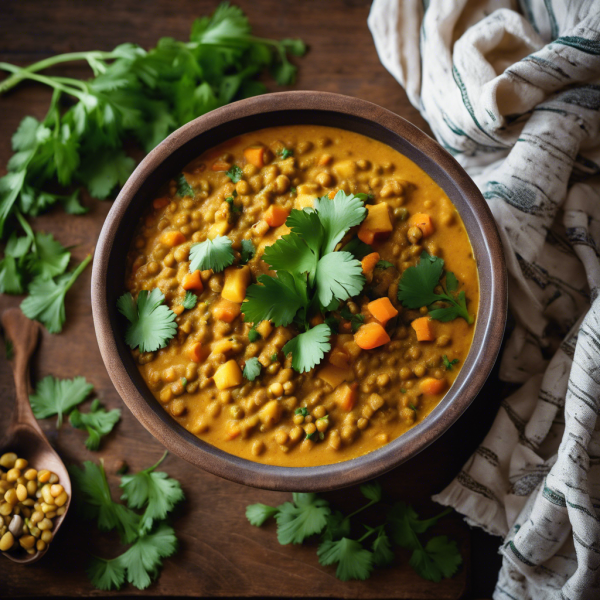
(449, 363)
(211, 254)
(151, 539)
(308, 515)
(252, 369)
(97, 422)
(151, 323)
(417, 288)
(311, 276)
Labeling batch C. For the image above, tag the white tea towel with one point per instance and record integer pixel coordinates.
(512, 90)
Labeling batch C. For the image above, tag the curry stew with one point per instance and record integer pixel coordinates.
(377, 380)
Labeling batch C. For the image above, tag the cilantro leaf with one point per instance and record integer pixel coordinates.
(277, 299)
(235, 173)
(183, 187)
(152, 488)
(96, 502)
(106, 574)
(252, 369)
(384, 264)
(257, 514)
(353, 561)
(50, 258)
(449, 363)
(372, 491)
(309, 348)
(337, 216)
(339, 276)
(58, 396)
(104, 170)
(417, 288)
(189, 301)
(306, 516)
(211, 254)
(307, 224)
(46, 300)
(382, 549)
(355, 320)
(284, 153)
(440, 558)
(332, 323)
(338, 526)
(11, 276)
(247, 252)
(406, 524)
(98, 422)
(151, 323)
(253, 335)
(290, 253)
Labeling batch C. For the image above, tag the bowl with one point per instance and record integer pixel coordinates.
(292, 108)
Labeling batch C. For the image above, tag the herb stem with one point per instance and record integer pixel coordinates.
(158, 463)
(49, 81)
(77, 272)
(367, 505)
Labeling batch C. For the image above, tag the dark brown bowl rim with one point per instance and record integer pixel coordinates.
(481, 227)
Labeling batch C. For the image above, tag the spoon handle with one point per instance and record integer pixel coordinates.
(24, 335)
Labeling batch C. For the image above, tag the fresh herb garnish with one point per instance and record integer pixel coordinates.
(310, 436)
(134, 94)
(449, 363)
(151, 323)
(184, 382)
(58, 396)
(358, 248)
(211, 254)
(403, 390)
(235, 173)
(302, 410)
(274, 357)
(247, 252)
(310, 275)
(98, 423)
(293, 190)
(183, 187)
(189, 301)
(417, 288)
(285, 153)
(412, 406)
(46, 300)
(383, 264)
(332, 323)
(233, 207)
(308, 515)
(355, 320)
(253, 335)
(153, 492)
(252, 369)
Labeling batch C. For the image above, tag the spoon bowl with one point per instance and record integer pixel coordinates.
(24, 435)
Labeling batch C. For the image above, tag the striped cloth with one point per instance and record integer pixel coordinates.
(513, 92)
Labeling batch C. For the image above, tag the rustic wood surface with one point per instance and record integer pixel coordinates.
(220, 553)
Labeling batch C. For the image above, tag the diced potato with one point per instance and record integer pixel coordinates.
(305, 201)
(339, 358)
(264, 328)
(227, 311)
(353, 349)
(237, 279)
(222, 346)
(270, 413)
(345, 169)
(217, 229)
(228, 375)
(333, 375)
(377, 225)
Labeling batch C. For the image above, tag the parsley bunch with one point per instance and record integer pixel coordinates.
(311, 276)
(151, 538)
(417, 288)
(134, 95)
(60, 397)
(310, 515)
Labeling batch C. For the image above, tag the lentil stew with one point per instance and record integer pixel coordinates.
(386, 361)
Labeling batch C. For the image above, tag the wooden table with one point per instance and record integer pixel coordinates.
(220, 553)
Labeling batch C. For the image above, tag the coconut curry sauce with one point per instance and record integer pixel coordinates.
(229, 381)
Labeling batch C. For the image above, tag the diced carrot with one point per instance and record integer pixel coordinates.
(423, 222)
(276, 215)
(377, 225)
(196, 353)
(160, 203)
(423, 329)
(172, 238)
(220, 165)
(225, 310)
(369, 261)
(382, 309)
(255, 155)
(232, 430)
(339, 358)
(193, 281)
(432, 386)
(345, 396)
(371, 335)
(333, 375)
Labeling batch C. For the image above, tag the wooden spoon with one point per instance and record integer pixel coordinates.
(24, 436)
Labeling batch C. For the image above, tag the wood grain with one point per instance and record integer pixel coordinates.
(220, 553)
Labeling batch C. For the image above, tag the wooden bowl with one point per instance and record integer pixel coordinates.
(292, 108)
